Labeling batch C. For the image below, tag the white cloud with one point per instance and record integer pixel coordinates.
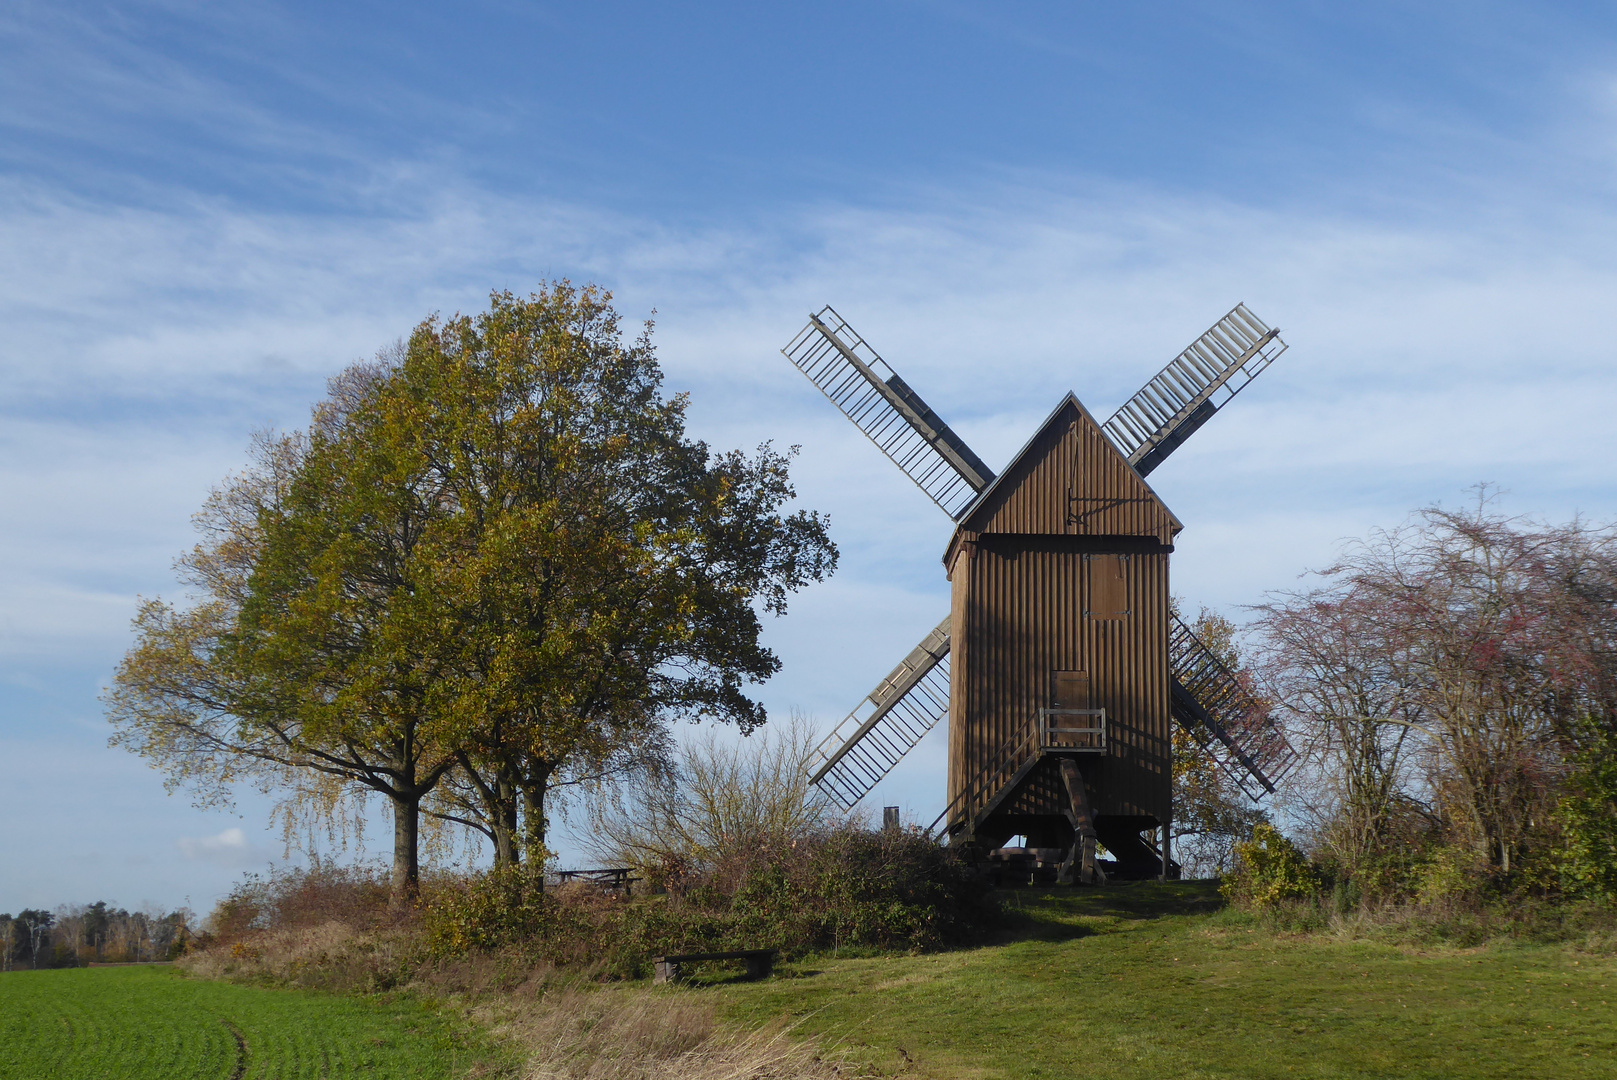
(228, 848)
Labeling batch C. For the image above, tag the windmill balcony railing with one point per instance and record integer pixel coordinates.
(1061, 731)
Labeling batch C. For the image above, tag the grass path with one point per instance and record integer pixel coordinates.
(143, 1022)
(1149, 981)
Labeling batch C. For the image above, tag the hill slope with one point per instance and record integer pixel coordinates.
(1149, 980)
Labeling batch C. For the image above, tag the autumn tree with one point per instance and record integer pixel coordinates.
(496, 558)
(604, 574)
(1337, 662)
(1449, 678)
(305, 660)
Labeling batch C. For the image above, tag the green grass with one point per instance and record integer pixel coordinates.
(153, 1022)
(1150, 980)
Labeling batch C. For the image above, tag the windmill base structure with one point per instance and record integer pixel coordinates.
(1061, 668)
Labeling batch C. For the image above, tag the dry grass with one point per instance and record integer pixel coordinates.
(331, 929)
(573, 1033)
(562, 1024)
(332, 955)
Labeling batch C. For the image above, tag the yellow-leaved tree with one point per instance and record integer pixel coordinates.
(494, 559)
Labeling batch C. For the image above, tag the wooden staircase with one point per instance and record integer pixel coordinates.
(1049, 732)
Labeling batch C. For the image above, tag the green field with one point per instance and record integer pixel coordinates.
(1150, 981)
(153, 1022)
(1130, 981)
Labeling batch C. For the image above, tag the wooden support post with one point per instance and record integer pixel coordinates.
(1163, 851)
(1083, 848)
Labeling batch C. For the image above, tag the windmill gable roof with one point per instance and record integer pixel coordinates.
(1070, 480)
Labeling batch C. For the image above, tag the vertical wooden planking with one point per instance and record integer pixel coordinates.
(1018, 612)
(1019, 622)
(1070, 479)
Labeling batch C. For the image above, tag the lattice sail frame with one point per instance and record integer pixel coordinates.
(1231, 726)
(887, 724)
(1196, 384)
(882, 405)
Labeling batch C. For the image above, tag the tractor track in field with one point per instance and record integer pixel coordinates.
(241, 1049)
(144, 1023)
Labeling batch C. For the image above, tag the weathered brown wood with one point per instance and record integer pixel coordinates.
(1070, 480)
(1083, 818)
(1108, 586)
(1060, 590)
(1083, 848)
(1069, 690)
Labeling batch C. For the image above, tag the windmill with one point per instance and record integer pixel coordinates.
(1060, 667)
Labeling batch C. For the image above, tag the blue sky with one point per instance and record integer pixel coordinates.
(206, 209)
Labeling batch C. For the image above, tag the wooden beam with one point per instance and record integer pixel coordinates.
(1083, 821)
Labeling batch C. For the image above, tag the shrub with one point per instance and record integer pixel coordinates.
(889, 889)
(297, 898)
(1586, 857)
(505, 904)
(842, 888)
(1269, 869)
(1449, 875)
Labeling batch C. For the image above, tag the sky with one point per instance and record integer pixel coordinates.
(207, 209)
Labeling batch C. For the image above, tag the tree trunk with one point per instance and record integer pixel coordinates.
(534, 825)
(406, 850)
(503, 820)
(497, 795)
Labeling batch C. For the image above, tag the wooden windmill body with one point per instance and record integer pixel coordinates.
(1059, 620)
(1060, 667)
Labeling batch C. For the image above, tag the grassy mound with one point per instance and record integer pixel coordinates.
(1161, 980)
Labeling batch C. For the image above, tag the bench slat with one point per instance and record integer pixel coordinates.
(741, 954)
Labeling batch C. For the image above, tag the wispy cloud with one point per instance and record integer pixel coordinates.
(1426, 356)
(228, 848)
(1434, 344)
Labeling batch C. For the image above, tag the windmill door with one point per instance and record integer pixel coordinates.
(1070, 690)
(1108, 586)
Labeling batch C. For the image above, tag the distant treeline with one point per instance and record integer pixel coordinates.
(78, 934)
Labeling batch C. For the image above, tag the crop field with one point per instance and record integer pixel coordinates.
(1149, 980)
(152, 1022)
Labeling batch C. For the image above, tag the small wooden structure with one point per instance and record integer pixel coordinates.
(760, 962)
(1059, 631)
(608, 878)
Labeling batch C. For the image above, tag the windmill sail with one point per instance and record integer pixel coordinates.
(1211, 703)
(895, 716)
(1195, 384)
(870, 393)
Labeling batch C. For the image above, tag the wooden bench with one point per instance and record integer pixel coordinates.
(611, 878)
(760, 962)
